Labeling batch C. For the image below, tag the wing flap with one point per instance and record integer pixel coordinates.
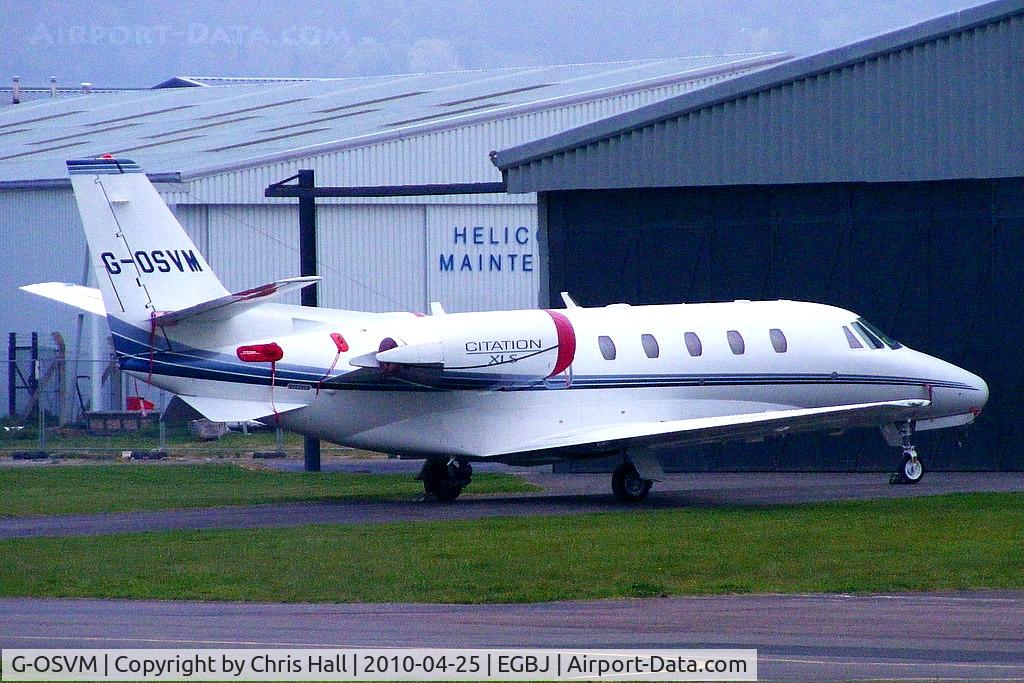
(226, 307)
(727, 427)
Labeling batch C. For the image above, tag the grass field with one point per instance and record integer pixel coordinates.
(50, 490)
(949, 542)
(74, 443)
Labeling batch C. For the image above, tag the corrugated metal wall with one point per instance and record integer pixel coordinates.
(49, 245)
(454, 155)
(937, 264)
(482, 258)
(380, 258)
(371, 257)
(948, 107)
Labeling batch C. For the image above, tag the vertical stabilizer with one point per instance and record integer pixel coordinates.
(144, 261)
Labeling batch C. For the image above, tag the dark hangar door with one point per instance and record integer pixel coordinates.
(939, 265)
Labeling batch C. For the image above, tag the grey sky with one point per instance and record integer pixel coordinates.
(142, 43)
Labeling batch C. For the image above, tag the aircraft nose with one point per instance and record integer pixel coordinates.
(980, 395)
(970, 400)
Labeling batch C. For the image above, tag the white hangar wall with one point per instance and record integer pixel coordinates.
(377, 257)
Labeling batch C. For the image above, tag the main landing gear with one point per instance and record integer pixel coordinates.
(628, 485)
(911, 469)
(444, 478)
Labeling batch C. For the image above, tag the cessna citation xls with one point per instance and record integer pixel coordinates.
(523, 387)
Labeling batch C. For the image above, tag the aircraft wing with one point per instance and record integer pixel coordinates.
(236, 410)
(724, 428)
(225, 307)
(87, 299)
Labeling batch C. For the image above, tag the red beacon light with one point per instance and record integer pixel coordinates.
(260, 353)
(106, 156)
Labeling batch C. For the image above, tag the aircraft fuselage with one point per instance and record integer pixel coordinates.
(629, 363)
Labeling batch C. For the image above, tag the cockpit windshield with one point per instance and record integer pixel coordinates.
(875, 336)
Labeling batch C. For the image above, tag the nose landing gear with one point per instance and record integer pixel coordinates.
(444, 479)
(911, 469)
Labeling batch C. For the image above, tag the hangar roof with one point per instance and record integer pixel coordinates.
(937, 100)
(187, 129)
(30, 93)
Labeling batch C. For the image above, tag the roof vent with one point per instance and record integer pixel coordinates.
(53, 86)
(16, 91)
(86, 88)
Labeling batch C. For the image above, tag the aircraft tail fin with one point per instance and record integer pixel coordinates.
(144, 261)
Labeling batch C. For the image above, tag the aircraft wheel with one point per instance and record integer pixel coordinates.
(627, 484)
(445, 480)
(911, 468)
(443, 489)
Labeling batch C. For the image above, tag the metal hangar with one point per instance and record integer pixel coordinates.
(886, 177)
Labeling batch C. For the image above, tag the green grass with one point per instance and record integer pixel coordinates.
(50, 490)
(935, 543)
(68, 442)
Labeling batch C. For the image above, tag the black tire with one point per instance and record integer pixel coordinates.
(445, 481)
(627, 485)
(442, 489)
(910, 472)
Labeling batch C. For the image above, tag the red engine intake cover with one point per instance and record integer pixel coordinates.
(340, 342)
(260, 353)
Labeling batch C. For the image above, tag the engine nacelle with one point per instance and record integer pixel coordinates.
(482, 350)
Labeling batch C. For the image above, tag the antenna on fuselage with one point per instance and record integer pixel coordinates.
(567, 300)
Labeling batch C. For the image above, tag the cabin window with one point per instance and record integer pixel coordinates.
(693, 344)
(778, 340)
(650, 345)
(851, 339)
(736, 342)
(886, 339)
(607, 347)
(873, 341)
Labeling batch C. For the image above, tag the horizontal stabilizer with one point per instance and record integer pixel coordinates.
(236, 410)
(726, 427)
(88, 299)
(226, 307)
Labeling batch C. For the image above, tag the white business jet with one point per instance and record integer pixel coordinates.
(521, 387)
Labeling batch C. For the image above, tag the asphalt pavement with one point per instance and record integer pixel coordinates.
(564, 494)
(969, 635)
